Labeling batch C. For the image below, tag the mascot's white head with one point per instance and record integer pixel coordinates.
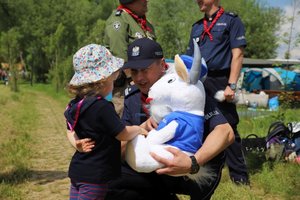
(181, 90)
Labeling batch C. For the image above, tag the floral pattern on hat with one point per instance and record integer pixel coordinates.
(92, 63)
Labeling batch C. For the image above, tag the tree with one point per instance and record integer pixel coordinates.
(10, 50)
(51, 31)
(173, 21)
(289, 38)
(55, 53)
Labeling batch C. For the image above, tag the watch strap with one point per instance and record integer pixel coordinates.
(194, 166)
(232, 86)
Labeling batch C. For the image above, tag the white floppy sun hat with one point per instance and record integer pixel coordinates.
(92, 63)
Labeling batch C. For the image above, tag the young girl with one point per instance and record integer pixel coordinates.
(90, 115)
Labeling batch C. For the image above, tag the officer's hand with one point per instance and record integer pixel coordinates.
(85, 145)
(180, 164)
(229, 94)
(149, 124)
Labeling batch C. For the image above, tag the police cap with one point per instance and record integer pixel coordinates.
(125, 1)
(142, 53)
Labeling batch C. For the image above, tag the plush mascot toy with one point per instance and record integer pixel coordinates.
(177, 103)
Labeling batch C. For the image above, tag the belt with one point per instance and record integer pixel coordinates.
(214, 73)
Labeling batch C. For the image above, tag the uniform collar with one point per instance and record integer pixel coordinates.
(212, 17)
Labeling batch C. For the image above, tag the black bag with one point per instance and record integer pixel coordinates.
(254, 148)
(254, 144)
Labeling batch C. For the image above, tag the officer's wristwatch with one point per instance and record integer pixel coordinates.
(232, 86)
(195, 166)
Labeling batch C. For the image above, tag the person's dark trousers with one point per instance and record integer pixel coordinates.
(149, 186)
(138, 186)
(183, 185)
(235, 160)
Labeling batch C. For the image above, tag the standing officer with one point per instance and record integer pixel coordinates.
(126, 24)
(221, 38)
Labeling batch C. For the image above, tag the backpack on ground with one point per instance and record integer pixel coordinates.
(283, 141)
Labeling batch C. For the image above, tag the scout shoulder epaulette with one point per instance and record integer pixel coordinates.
(131, 90)
(197, 22)
(118, 12)
(232, 14)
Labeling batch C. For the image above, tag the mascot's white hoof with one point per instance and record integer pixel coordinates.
(138, 155)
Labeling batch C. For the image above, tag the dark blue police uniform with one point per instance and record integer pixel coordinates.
(228, 33)
(142, 186)
(133, 112)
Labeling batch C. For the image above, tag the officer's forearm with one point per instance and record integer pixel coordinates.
(216, 142)
(236, 64)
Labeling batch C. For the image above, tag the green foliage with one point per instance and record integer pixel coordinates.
(288, 99)
(51, 31)
(261, 25)
(10, 50)
(173, 21)
(289, 37)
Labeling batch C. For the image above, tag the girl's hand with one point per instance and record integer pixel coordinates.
(143, 131)
(149, 124)
(85, 145)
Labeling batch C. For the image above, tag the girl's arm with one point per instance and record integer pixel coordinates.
(129, 132)
(81, 145)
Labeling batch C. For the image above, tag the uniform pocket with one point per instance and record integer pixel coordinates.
(220, 33)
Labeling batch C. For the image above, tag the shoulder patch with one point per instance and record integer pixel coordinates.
(118, 12)
(197, 22)
(231, 14)
(117, 25)
(130, 90)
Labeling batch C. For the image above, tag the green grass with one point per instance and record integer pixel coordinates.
(61, 96)
(258, 122)
(18, 118)
(273, 181)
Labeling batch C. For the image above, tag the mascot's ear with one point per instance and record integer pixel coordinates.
(181, 68)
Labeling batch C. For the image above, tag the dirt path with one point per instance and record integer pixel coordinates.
(50, 163)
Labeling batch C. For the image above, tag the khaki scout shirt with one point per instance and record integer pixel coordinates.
(121, 30)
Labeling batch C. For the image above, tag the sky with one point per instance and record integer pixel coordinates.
(286, 6)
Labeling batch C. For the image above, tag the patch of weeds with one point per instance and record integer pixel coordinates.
(9, 192)
(15, 155)
(3, 101)
(15, 97)
(279, 178)
(15, 176)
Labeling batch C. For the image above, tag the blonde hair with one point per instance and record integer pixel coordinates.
(91, 89)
